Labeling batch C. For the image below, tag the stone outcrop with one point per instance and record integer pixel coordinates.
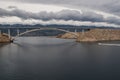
(94, 35)
(67, 36)
(4, 38)
(99, 35)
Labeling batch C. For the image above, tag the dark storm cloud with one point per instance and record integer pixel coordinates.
(110, 6)
(71, 2)
(113, 7)
(78, 3)
(113, 20)
(61, 15)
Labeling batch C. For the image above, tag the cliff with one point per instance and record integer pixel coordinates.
(94, 35)
(67, 36)
(4, 38)
(99, 35)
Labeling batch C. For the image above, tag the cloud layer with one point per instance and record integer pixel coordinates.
(76, 12)
(110, 6)
(65, 15)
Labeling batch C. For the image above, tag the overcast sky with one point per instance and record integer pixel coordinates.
(71, 12)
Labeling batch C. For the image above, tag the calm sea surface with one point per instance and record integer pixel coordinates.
(44, 58)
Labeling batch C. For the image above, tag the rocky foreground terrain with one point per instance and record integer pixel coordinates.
(4, 38)
(67, 36)
(94, 35)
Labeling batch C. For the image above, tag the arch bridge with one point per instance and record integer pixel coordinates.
(39, 29)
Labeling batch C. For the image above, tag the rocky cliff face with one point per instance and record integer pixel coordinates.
(67, 36)
(95, 35)
(99, 35)
(4, 38)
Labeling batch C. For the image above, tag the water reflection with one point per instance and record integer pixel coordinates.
(58, 59)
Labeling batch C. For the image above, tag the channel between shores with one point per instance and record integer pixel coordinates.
(92, 35)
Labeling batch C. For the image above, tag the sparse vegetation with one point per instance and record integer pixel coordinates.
(95, 35)
(4, 38)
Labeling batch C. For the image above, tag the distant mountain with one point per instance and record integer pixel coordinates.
(53, 25)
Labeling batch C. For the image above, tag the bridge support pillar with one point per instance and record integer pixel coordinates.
(83, 32)
(18, 32)
(75, 30)
(9, 33)
(0, 32)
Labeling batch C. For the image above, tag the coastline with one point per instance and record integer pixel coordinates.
(95, 35)
(4, 38)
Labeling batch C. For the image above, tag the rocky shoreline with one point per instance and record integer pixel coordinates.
(4, 38)
(95, 35)
(67, 36)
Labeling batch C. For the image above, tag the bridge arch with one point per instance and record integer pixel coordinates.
(33, 30)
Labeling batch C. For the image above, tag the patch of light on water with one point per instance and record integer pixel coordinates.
(42, 40)
(107, 44)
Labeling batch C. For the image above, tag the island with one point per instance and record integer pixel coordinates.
(4, 38)
(94, 35)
